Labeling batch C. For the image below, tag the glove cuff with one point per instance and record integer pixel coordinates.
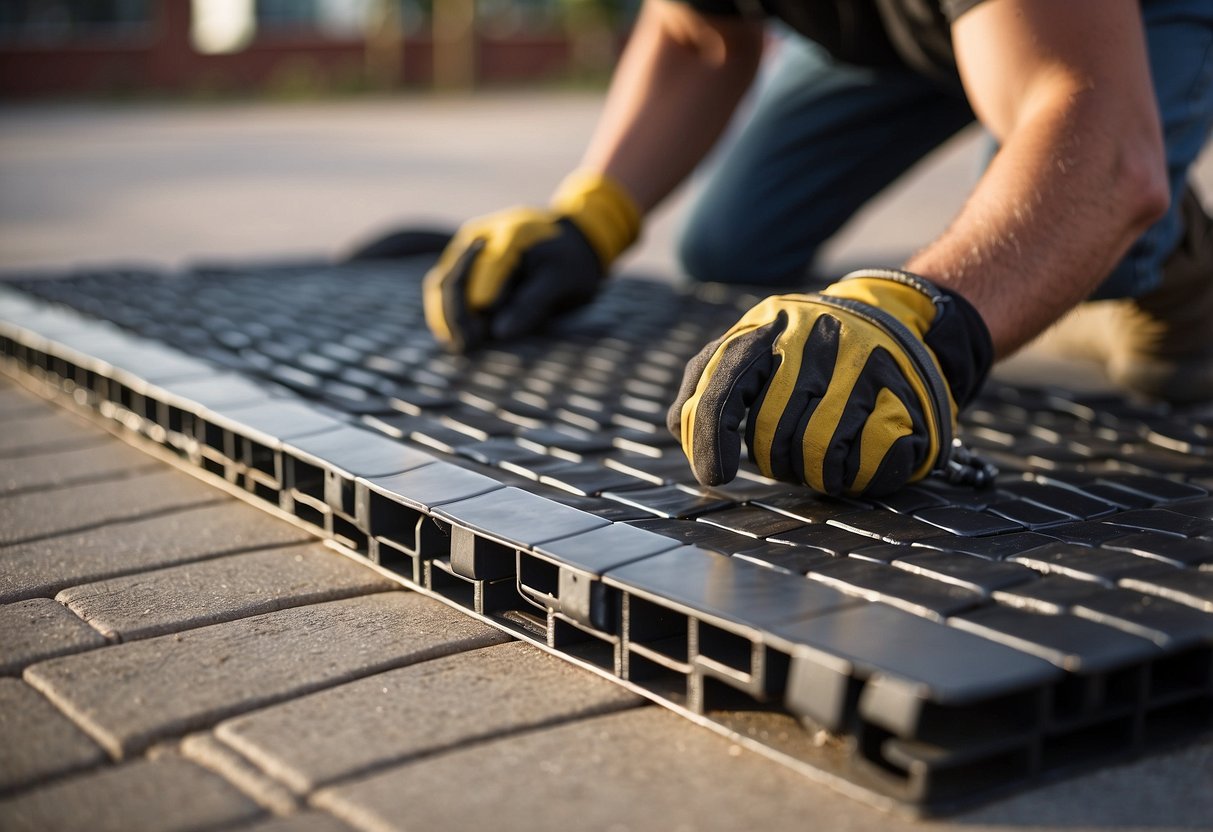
(602, 210)
(957, 335)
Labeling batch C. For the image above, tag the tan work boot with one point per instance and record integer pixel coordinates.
(1161, 344)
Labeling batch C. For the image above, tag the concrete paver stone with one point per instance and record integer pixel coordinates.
(301, 822)
(16, 403)
(648, 769)
(38, 629)
(107, 461)
(639, 769)
(208, 592)
(39, 742)
(416, 711)
(33, 433)
(131, 695)
(208, 752)
(165, 795)
(43, 513)
(46, 566)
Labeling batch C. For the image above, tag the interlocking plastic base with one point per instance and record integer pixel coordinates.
(919, 651)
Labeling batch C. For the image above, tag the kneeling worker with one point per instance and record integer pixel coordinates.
(1098, 108)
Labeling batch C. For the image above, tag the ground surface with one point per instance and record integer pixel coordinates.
(173, 659)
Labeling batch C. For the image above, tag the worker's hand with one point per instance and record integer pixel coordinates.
(851, 391)
(504, 275)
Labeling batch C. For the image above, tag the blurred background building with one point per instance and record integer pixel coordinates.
(301, 47)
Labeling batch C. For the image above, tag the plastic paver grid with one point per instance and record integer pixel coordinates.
(929, 647)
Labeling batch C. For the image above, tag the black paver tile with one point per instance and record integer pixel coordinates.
(671, 501)
(963, 496)
(273, 421)
(517, 517)
(996, 547)
(1051, 594)
(1160, 546)
(908, 500)
(719, 588)
(656, 470)
(486, 529)
(897, 587)
(1160, 489)
(966, 571)
(881, 552)
(826, 538)
(430, 485)
(795, 559)
(802, 505)
(1102, 565)
(497, 450)
(606, 547)
(1071, 643)
(1170, 625)
(1063, 500)
(591, 479)
(930, 660)
(966, 522)
(697, 534)
(1162, 520)
(1184, 586)
(884, 525)
(357, 452)
(751, 520)
(1201, 508)
(1087, 533)
(1029, 515)
(600, 507)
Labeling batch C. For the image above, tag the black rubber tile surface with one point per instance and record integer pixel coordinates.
(956, 639)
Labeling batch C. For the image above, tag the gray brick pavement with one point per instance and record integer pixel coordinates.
(639, 769)
(220, 758)
(301, 822)
(44, 567)
(222, 589)
(16, 403)
(95, 463)
(38, 629)
(418, 711)
(38, 742)
(128, 696)
(164, 795)
(32, 432)
(26, 517)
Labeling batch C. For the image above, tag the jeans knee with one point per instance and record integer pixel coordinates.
(706, 256)
(719, 252)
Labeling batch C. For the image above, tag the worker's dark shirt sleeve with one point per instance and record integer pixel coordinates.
(728, 8)
(955, 8)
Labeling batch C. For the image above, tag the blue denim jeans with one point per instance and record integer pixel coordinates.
(824, 137)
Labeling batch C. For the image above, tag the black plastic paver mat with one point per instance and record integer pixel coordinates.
(930, 647)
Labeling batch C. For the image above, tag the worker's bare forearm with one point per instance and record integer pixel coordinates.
(676, 87)
(1080, 174)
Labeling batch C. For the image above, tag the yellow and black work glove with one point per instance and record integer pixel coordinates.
(853, 390)
(505, 274)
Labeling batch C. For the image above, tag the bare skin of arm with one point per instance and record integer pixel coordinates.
(1065, 88)
(672, 95)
